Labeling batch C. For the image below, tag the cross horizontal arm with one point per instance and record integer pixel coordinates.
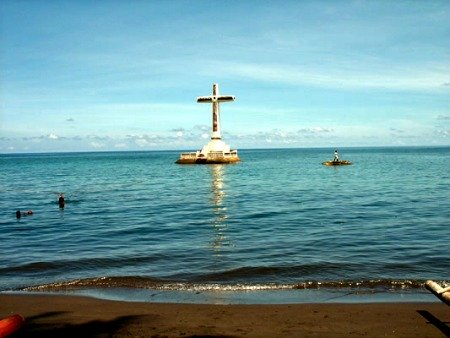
(210, 99)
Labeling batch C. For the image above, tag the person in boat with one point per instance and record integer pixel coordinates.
(61, 201)
(336, 156)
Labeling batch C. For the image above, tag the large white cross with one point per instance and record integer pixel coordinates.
(215, 99)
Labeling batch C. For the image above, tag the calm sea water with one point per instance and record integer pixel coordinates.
(277, 220)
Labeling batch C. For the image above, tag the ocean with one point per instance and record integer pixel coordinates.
(278, 227)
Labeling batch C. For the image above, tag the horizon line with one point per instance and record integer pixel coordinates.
(243, 149)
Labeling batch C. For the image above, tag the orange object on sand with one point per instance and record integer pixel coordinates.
(10, 325)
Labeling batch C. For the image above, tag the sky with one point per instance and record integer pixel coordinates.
(124, 75)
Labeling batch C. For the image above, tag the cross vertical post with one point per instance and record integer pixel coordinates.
(215, 99)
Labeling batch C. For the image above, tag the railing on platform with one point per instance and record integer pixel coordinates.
(188, 156)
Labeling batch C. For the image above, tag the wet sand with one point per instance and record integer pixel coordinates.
(75, 316)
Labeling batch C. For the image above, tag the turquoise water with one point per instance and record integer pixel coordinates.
(277, 220)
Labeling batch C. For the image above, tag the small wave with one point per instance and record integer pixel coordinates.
(243, 272)
(137, 282)
(100, 282)
(66, 265)
(31, 267)
(266, 214)
(377, 204)
(258, 272)
(365, 284)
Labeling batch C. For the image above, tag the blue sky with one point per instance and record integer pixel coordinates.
(124, 75)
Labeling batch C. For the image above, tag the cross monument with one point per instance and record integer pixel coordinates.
(216, 151)
(215, 99)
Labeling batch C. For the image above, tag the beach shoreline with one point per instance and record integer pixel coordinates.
(252, 295)
(56, 315)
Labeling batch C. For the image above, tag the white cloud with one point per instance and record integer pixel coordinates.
(443, 133)
(142, 142)
(315, 130)
(348, 75)
(97, 145)
(397, 132)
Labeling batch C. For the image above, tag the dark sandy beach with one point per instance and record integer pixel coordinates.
(74, 316)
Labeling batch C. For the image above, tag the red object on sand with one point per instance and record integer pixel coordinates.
(10, 325)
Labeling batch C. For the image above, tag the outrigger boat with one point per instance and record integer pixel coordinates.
(331, 163)
(336, 161)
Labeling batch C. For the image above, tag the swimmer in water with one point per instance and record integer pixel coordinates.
(61, 201)
(26, 213)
